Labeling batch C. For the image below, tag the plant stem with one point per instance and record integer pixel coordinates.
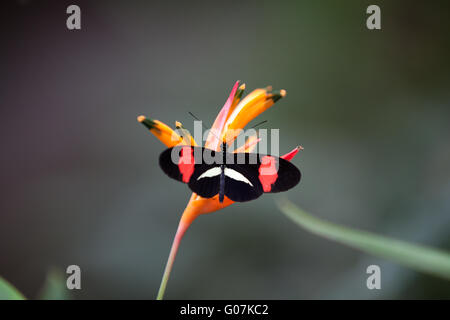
(182, 226)
(417, 257)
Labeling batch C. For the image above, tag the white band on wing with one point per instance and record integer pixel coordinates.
(233, 174)
(210, 173)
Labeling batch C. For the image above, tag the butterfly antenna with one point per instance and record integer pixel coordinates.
(204, 127)
(258, 124)
(193, 116)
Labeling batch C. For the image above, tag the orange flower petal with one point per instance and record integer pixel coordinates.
(250, 107)
(198, 205)
(162, 131)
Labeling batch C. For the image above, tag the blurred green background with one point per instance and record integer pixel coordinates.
(80, 177)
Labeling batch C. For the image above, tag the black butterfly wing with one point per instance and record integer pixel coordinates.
(206, 180)
(186, 164)
(178, 162)
(246, 176)
(241, 182)
(266, 173)
(285, 177)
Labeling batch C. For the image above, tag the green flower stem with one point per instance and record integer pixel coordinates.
(417, 257)
(182, 227)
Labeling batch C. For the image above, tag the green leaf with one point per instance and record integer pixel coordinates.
(417, 257)
(8, 292)
(55, 286)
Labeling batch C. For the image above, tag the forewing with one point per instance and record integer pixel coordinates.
(178, 162)
(185, 164)
(277, 174)
(271, 173)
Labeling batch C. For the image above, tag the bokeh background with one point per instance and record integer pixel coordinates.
(80, 182)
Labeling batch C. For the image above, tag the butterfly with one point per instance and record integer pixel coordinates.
(239, 176)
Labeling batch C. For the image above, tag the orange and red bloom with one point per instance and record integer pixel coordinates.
(234, 116)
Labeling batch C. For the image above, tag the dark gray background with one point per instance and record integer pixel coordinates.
(80, 181)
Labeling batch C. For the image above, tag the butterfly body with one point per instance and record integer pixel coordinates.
(239, 176)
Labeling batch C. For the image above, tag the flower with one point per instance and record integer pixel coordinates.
(234, 115)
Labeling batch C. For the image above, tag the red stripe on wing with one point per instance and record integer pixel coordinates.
(267, 172)
(186, 163)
